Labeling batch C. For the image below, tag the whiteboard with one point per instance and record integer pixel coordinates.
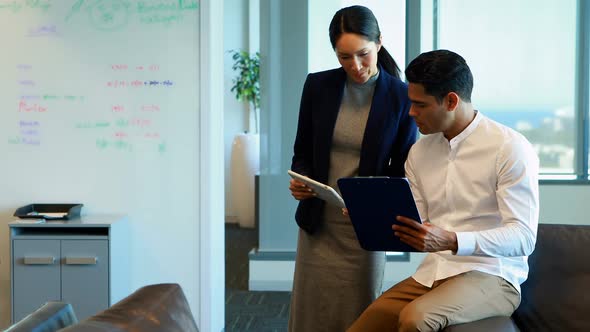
(99, 105)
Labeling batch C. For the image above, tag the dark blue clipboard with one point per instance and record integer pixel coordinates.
(373, 203)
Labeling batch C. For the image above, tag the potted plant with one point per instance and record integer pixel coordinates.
(245, 152)
(247, 82)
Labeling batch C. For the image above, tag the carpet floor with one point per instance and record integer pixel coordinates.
(249, 311)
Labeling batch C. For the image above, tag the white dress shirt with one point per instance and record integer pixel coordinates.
(483, 185)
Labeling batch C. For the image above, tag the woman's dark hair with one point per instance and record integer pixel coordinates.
(361, 21)
(441, 72)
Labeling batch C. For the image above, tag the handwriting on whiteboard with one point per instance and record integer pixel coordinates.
(18, 5)
(128, 123)
(138, 83)
(29, 133)
(43, 31)
(108, 15)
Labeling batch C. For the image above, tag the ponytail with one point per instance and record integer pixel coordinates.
(388, 63)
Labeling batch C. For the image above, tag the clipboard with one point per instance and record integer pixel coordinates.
(373, 203)
(323, 191)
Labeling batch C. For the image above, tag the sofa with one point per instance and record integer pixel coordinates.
(52, 316)
(160, 307)
(556, 294)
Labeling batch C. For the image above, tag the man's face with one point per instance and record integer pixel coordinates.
(430, 115)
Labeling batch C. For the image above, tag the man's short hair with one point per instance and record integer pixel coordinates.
(441, 72)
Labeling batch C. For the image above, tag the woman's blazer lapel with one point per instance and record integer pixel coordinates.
(375, 138)
(333, 90)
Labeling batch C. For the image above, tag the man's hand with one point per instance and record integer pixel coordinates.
(425, 237)
(300, 191)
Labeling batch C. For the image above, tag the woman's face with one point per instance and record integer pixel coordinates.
(358, 56)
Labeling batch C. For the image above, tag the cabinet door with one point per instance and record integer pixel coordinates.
(85, 275)
(36, 275)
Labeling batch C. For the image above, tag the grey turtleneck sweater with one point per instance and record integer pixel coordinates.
(348, 134)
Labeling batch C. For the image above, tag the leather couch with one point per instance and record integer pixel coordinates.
(160, 307)
(52, 316)
(556, 294)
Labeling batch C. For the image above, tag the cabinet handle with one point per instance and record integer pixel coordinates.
(39, 260)
(81, 260)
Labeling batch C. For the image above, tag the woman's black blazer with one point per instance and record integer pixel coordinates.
(389, 133)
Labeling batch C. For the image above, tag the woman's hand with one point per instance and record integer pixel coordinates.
(300, 191)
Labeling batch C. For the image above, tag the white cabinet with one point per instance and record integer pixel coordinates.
(81, 261)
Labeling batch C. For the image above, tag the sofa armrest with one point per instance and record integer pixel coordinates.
(153, 308)
(50, 317)
(498, 323)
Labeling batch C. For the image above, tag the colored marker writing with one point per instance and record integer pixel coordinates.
(23, 106)
(52, 97)
(16, 6)
(29, 128)
(118, 108)
(31, 141)
(103, 144)
(135, 122)
(26, 83)
(25, 141)
(167, 20)
(150, 108)
(119, 67)
(90, 124)
(122, 84)
(30, 97)
(138, 83)
(14, 140)
(43, 31)
(140, 122)
(143, 108)
(177, 5)
(29, 132)
(123, 67)
(32, 123)
(24, 67)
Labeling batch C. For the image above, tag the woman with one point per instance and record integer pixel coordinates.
(353, 121)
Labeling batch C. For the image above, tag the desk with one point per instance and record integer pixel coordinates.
(82, 261)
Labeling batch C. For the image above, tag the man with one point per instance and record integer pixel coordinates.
(475, 183)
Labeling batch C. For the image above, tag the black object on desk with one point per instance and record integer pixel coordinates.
(373, 204)
(49, 211)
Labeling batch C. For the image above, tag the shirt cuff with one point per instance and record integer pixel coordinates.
(465, 243)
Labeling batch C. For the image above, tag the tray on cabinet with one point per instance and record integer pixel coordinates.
(49, 211)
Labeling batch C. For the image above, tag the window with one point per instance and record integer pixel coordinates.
(523, 58)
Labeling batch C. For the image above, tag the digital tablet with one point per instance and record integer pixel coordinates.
(323, 191)
(373, 204)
